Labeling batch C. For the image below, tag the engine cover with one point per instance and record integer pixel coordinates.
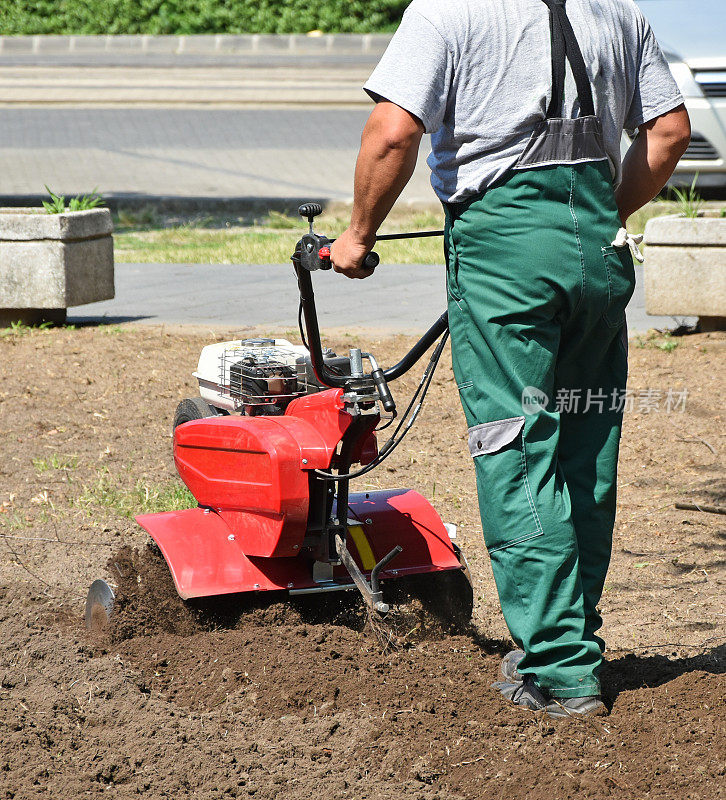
(253, 470)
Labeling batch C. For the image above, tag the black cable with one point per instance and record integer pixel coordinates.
(387, 237)
(388, 424)
(393, 442)
(300, 325)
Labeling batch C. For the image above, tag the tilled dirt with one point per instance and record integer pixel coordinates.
(299, 700)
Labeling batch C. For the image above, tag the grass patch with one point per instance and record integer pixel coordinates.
(21, 329)
(17, 329)
(143, 498)
(144, 237)
(657, 341)
(55, 462)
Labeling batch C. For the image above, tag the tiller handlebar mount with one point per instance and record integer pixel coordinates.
(273, 482)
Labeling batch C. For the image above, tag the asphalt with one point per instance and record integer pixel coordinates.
(396, 298)
(144, 155)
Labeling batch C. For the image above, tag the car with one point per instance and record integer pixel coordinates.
(692, 34)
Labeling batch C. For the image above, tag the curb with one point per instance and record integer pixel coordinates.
(171, 204)
(370, 44)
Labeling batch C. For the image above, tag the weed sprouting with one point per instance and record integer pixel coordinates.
(688, 201)
(84, 202)
(143, 498)
(55, 462)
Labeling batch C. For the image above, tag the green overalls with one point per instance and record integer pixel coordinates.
(537, 297)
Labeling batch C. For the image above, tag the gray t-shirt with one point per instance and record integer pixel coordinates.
(478, 74)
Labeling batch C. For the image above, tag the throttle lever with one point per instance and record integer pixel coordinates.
(371, 261)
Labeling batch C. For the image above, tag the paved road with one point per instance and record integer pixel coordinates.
(403, 298)
(298, 83)
(145, 153)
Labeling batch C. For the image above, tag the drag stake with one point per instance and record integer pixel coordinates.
(372, 593)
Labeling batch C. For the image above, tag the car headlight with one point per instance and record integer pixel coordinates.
(683, 76)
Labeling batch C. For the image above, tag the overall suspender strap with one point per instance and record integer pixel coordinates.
(565, 46)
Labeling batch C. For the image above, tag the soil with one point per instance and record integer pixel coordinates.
(302, 699)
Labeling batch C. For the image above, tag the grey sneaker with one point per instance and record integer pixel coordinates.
(508, 668)
(522, 693)
(591, 706)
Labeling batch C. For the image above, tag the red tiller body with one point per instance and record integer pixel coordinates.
(252, 479)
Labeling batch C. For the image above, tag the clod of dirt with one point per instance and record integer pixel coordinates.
(147, 603)
(146, 598)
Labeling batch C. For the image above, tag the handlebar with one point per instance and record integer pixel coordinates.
(312, 253)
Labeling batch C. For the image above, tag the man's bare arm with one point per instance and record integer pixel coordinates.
(387, 158)
(651, 159)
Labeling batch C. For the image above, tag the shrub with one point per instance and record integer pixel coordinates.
(203, 16)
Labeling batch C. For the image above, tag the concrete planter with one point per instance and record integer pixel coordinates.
(685, 268)
(50, 262)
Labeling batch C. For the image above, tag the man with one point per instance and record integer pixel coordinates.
(526, 101)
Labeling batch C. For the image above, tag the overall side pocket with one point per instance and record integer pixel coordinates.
(453, 290)
(620, 273)
(507, 506)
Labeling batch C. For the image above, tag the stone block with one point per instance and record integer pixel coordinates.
(161, 43)
(87, 43)
(236, 43)
(18, 44)
(685, 268)
(51, 43)
(54, 261)
(376, 43)
(272, 43)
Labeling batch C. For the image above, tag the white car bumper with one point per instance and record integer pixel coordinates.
(704, 91)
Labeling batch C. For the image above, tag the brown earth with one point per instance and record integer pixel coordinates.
(300, 700)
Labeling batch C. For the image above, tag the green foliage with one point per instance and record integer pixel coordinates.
(56, 461)
(689, 201)
(668, 345)
(657, 340)
(19, 328)
(84, 202)
(142, 498)
(202, 16)
(57, 204)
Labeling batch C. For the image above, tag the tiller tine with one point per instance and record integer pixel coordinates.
(372, 593)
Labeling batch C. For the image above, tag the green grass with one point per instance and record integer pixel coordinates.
(143, 498)
(55, 462)
(688, 200)
(21, 329)
(198, 16)
(657, 341)
(146, 237)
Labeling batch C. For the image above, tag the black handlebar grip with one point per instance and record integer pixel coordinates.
(372, 260)
(387, 401)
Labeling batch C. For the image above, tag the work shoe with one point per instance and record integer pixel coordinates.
(508, 667)
(523, 693)
(591, 706)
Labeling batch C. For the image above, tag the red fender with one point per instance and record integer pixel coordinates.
(206, 558)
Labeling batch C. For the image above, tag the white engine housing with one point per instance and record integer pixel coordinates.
(215, 361)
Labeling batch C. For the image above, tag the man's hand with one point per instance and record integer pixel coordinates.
(387, 158)
(347, 253)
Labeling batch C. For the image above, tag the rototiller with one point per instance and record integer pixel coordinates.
(269, 450)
